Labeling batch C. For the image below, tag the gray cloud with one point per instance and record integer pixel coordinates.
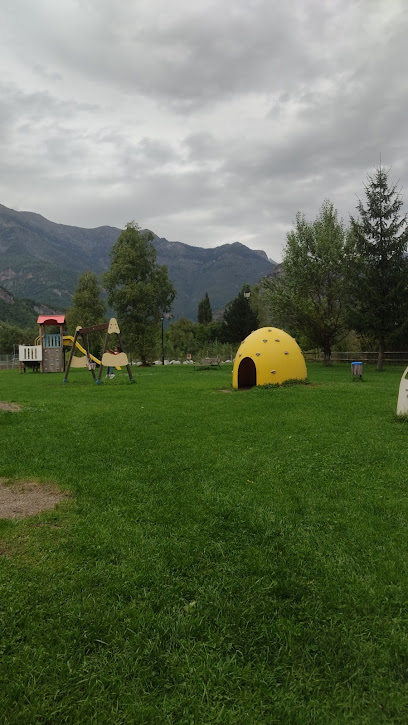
(207, 122)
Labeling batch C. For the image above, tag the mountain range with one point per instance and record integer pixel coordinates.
(42, 260)
(19, 311)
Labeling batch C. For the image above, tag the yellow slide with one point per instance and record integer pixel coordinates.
(68, 340)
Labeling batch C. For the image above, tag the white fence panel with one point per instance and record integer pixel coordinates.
(28, 353)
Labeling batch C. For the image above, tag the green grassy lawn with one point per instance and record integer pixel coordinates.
(224, 558)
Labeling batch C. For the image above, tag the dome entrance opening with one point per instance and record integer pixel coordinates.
(246, 373)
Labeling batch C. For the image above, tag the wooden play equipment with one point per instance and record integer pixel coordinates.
(53, 360)
(29, 356)
(109, 359)
(48, 352)
(86, 357)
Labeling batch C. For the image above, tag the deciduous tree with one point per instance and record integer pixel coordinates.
(308, 298)
(88, 308)
(11, 336)
(182, 337)
(139, 290)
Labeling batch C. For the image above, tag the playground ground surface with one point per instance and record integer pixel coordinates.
(217, 558)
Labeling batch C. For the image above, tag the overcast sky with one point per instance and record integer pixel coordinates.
(207, 121)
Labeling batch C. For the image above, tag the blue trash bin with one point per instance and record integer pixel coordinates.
(357, 369)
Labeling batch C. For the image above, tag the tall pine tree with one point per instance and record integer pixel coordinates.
(377, 265)
(239, 318)
(204, 313)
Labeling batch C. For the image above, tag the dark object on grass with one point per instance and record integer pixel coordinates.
(34, 365)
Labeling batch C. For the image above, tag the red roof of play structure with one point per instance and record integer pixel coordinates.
(51, 320)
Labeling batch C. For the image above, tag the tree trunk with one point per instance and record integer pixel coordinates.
(327, 356)
(380, 359)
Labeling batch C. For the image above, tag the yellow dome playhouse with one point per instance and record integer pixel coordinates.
(268, 356)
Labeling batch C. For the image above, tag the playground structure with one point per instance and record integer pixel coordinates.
(29, 356)
(402, 404)
(268, 356)
(47, 355)
(48, 352)
(86, 358)
(109, 359)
